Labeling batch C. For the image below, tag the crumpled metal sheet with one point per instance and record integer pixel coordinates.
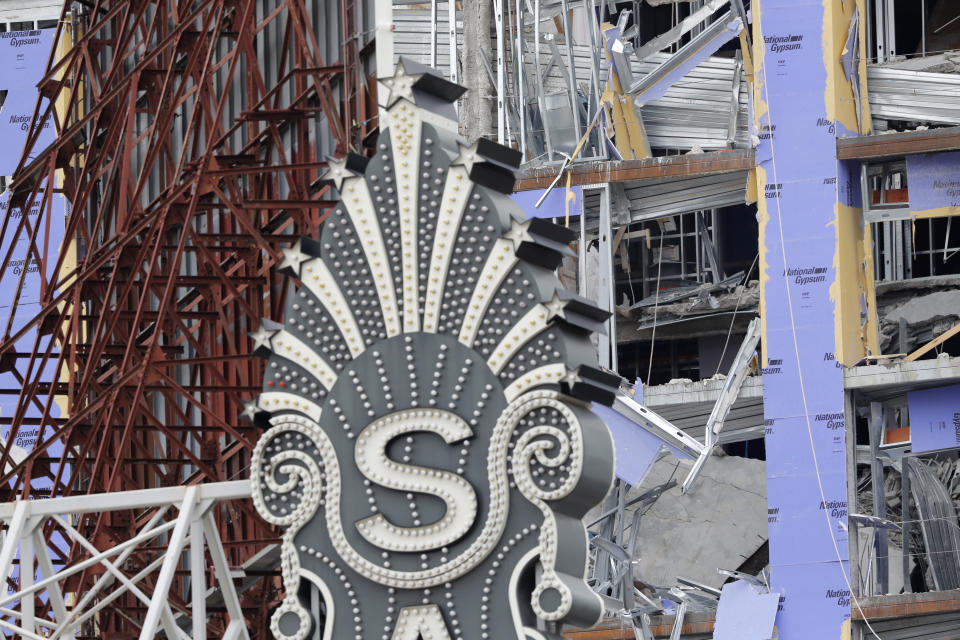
(938, 523)
(917, 96)
(649, 200)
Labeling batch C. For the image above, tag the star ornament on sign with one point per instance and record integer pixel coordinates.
(430, 449)
(401, 84)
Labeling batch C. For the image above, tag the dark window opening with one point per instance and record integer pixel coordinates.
(680, 251)
(47, 24)
(672, 359)
(936, 247)
(921, 248)
(753, 449)
(913, 28)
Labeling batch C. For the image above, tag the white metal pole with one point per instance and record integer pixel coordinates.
(198, 582)
(46, 570)
(168, 569)
(607, 296)
(880, 30)
(11, 539)
(582, 250)
(383, 17)
(452, 34)
(222, 571)
(923, 28)
(27, 612)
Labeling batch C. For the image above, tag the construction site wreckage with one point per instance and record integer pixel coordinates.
(577, 319)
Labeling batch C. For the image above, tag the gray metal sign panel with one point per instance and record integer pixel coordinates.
(431, 450)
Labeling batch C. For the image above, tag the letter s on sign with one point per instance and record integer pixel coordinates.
(457, 494)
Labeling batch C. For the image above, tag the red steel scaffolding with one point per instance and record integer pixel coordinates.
(191, 139)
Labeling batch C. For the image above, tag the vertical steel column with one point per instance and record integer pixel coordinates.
(735, 101)
(198, 581)
(27, 610)
(880, 538)
(923, 27)
(853, 542)
(433, 33)
(452, 34)
(879, 30)
(606, 292)
(891, 34)
(501, 72)
(889, 249)
(897, 228)
(383, 16)
(905, 524)
(907, 232)
(521, 92)
(582, 251)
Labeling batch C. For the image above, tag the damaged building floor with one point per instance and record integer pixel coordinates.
(760, 240)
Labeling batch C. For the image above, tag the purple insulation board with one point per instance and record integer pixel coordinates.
(745, 612)
(804, 525)
(24, 275)
(805, 435)
(636, 449)
(24, 269)
(553, 206)
(933, 180)
(814, 600)
(934, 418)
(23, 58)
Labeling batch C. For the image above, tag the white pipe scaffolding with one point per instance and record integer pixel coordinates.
(193, 528)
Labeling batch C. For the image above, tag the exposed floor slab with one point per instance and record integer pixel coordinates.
(719, 524)
(688, 405)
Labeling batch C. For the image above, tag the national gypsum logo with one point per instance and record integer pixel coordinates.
(779, 44)
(21, 38)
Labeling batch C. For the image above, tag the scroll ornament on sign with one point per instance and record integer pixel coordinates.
(430, 448)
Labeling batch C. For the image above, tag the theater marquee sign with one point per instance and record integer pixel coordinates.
(430, 451)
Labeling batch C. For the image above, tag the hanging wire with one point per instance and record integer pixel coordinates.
(736, 308)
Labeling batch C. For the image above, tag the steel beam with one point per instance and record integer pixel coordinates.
(603, 171)
(886, 607)
(892, 145)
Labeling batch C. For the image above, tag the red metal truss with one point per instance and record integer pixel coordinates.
(190, 146)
